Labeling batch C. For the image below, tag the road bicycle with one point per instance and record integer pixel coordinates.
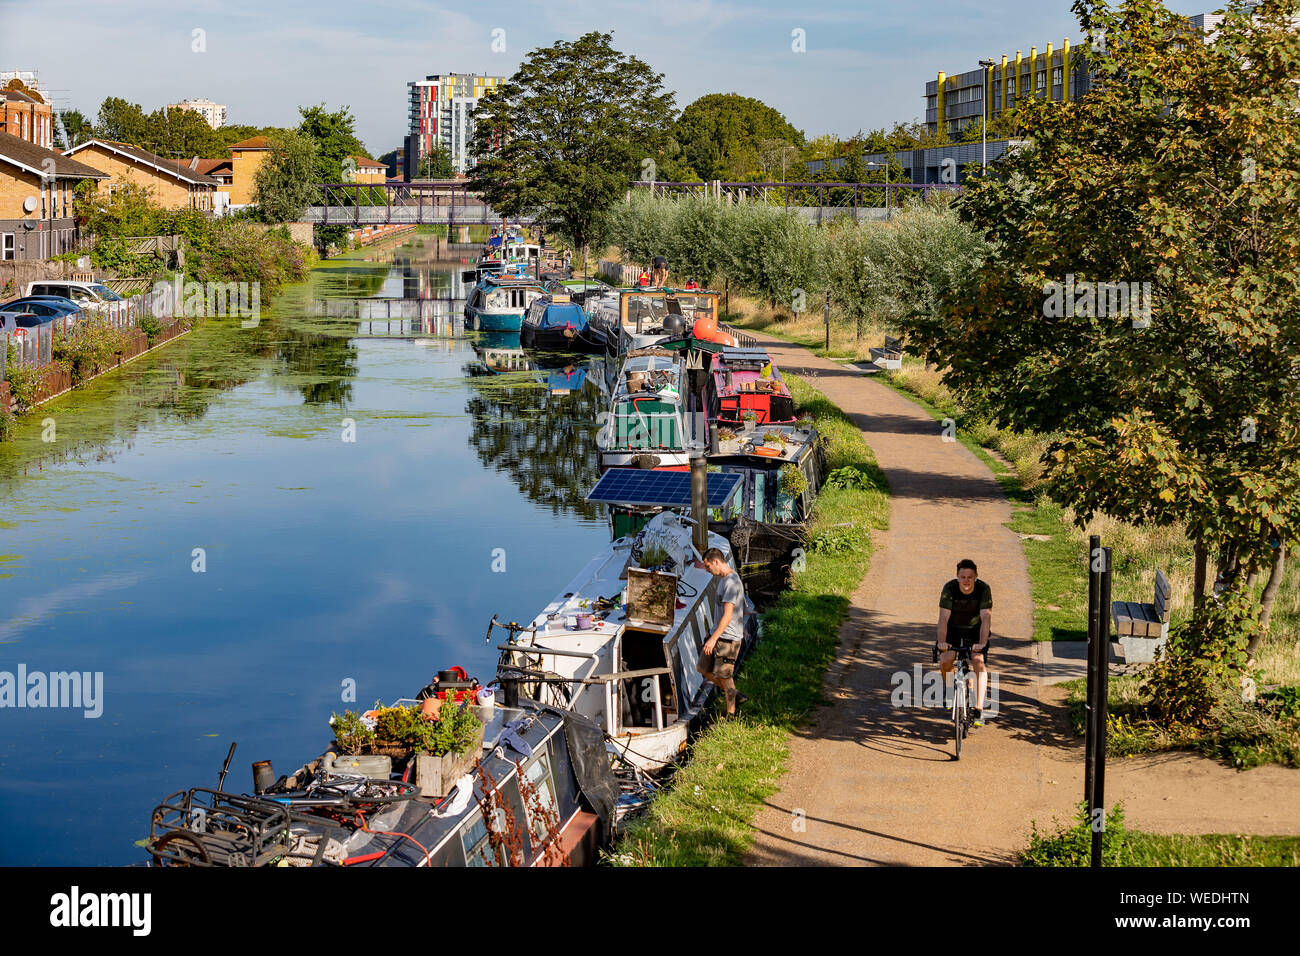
(961, 716)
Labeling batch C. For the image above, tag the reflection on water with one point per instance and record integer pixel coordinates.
(332, 552)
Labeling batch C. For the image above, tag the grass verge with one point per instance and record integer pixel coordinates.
(705, 818)
(1071, 846)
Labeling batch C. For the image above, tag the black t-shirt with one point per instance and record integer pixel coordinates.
(965, 608)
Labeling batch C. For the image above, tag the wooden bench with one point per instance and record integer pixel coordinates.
(891, 356)
(1143, 628)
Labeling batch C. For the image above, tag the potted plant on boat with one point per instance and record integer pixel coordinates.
(444, 746)
(774, 440)
(749, 420)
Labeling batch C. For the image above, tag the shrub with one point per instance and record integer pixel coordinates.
(150, 326)
(24, 382)
(793, 481)
(1202, 661)
(1072, 846)
(89, 345)
(849, 476)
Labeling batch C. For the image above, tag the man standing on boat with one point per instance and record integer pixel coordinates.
(718, 663)
(659, 278)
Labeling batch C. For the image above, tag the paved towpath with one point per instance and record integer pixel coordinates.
(872, 783)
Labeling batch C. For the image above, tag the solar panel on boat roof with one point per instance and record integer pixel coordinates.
(641, 486)
(745, 355)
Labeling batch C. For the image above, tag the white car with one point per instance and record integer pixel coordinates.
(92, 296)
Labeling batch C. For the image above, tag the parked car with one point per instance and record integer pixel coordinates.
(9, 321)
(52, 305)
(93, 296)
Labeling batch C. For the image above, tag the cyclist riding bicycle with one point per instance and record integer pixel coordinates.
(965, 616)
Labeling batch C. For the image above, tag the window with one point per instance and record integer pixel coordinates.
(539, 775)
(1024, 83)
(1056, 76)
(474, 840)
(6, 245)
(1042, 79)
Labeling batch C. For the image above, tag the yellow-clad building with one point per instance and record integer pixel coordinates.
(173, 185)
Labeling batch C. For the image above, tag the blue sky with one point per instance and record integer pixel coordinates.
(865, 63)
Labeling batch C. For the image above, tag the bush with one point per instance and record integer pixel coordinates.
(150, 326)
(88, 346)
(849, 476)
(1202, 662)
(24, 382)
(1072, 846)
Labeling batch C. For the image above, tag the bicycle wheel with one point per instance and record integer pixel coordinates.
(958, 715)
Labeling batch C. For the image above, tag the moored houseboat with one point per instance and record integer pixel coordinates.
(643, 316)
(649, 425)
(536, 790)
(743, 384)
(499, 303)
(554, 323)
(621, 642)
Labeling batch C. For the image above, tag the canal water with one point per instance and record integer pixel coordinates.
(241, 527)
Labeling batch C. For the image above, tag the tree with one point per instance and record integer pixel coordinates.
(722, 136)
(123, 122)
(436, 164)
(565, 134)
(287, 181)
(334, 135)
(1179, 169)
(75, 127)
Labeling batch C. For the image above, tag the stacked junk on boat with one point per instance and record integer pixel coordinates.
(595, 698)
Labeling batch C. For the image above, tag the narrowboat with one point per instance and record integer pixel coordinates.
(744, 384)
(556, 324)
(642, 316)
(537, 789)
(621, 642)
(649, 425)
(499, 303)
(782, 468)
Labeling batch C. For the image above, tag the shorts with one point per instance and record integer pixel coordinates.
(969, 639)
(722, 662)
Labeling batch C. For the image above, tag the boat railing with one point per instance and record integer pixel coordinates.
(743, 339)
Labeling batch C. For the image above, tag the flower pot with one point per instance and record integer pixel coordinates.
(429, 708)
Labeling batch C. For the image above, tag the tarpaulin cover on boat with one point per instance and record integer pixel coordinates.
(561, 315)
(591, 766)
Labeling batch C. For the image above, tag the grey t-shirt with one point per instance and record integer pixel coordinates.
(731, 591)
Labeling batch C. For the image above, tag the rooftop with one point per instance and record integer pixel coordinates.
(34, 159)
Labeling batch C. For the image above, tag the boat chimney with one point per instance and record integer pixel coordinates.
(700, 498)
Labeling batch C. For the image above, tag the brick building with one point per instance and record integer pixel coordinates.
(174, 185)
(25, 113)
(36, 195)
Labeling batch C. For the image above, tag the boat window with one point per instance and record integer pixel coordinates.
(760, 496)
(543, 805)
(475, 840)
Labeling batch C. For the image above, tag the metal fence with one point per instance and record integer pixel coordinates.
(35, 346)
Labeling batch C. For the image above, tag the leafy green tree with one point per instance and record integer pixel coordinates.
(436, 164)
(1179, 169)
(75, 126)
(334, 135)
(287, 182)
(722, 136)
(563, 136)
(123, 122)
